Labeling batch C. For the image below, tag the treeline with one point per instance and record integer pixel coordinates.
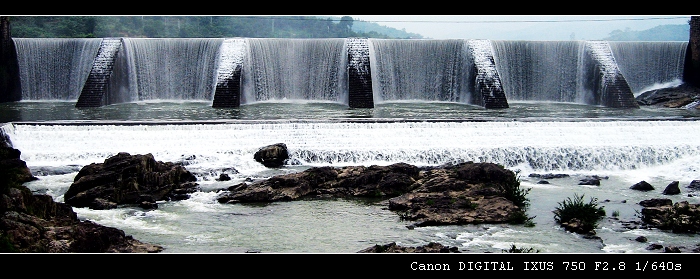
(191, 27)
(669, 32)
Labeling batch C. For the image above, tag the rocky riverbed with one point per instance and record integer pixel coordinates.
(32, 223)
(452, 194)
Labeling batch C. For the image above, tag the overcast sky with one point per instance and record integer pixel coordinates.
(521, 27)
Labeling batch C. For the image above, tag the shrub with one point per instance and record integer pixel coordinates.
(588, 213)
(514, 249)
(511, 190)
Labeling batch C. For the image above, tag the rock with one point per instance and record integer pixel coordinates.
(549, 175)
(681, 217)
(654, 246)
(575, 225)
(589, 180)
(128, 179)
(459, 194)
(37, 224)
(672, 189)
(432, 247)
(642, 186)
(679, 103)
(272, 156)
(223, 177)
(655, 202)
(672, 249)
(147, 202)
(102, 204)
(670, 97)
(13, 171)
(695, 185)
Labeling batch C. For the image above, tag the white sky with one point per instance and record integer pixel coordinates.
(521, 27)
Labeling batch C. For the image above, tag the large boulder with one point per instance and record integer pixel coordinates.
(36, 224)
(672, 188)
(671, 97)
(24, 232)
(694, 185)
(13, 170)
(272, 156)
(469, 193)
(129, 179)
(456, 194)
(642, 186)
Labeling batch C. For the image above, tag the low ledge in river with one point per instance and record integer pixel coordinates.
(465, 193)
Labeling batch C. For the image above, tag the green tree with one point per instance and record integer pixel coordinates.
(345, 24)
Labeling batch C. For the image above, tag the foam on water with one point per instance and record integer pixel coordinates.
(129, 218)
(607, 146)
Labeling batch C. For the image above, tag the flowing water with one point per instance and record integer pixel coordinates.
(295, 92)
(627, 146)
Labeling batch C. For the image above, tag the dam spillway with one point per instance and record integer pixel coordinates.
(357, 72)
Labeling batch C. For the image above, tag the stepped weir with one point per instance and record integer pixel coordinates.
(612, 88)
(228, 83)
(97, 82)
(357, 72)
(488, 82)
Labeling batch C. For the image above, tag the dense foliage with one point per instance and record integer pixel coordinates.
(196, 27)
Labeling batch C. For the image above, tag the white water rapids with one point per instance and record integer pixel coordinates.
(626, 151)
(531, 146)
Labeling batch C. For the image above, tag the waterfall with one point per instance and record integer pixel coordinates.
(646, 64)
(172, 68)
(295, 69)
(464, 71)
(54, 68)
(540, 70)
(426, 70)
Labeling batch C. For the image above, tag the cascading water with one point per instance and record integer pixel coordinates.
(537, 146)
(649, 64)
(316, 69)
(172, 68)
(54, 68)
(540, 70)
(295, 69)
(424, 70)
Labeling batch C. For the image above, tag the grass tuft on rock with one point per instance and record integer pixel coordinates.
(588, 213)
